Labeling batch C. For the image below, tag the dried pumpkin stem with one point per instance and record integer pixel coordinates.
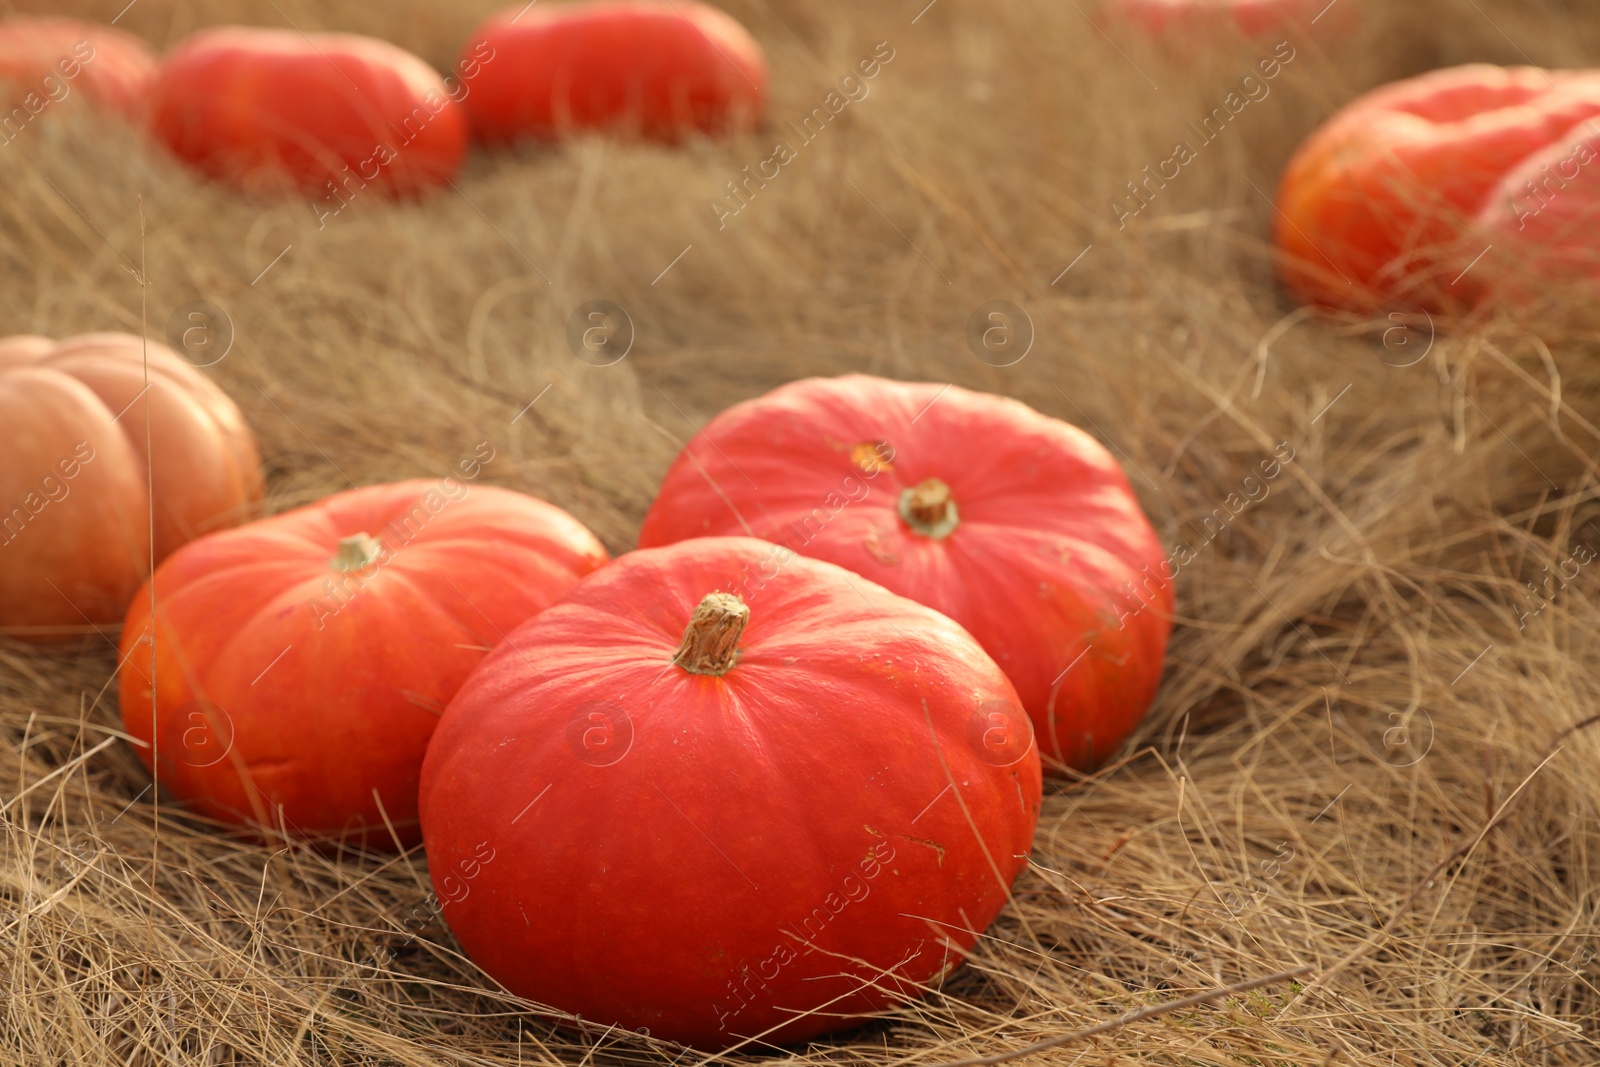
(356, 553)
(711, 640)
(928, 508)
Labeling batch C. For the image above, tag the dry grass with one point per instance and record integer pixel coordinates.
(1349, 702)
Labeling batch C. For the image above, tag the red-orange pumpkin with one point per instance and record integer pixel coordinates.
(1372, 209)
(660, 68)
(47, 60)
(75, 502)
(333, 113)
(1018, 526)
(1538, 224)
(301, 662)
(711, 807)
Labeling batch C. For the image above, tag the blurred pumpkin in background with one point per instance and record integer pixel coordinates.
(45, 61)
(1539, 224)
(658, 68)
(76, 508)
(329, 113)
(1376, 207)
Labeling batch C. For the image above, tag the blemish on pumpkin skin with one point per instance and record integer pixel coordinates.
(868, 457)
(937, 848)
(268, 766)
(875, 548)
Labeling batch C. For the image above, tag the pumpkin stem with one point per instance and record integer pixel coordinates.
(928, 509)
(356, 553)
(711, 640)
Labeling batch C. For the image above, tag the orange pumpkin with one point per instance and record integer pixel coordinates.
(1539, 221)
(1373, 209)
(330, 112)
(749, 814)
(84, 438)
(301, 662)
(46, 59)
(660, 68)
(1018, 526)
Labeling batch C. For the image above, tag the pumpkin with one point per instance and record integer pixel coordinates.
(1018, 526)
(1540, 220)
(76, 513)
(329, 113)
(658, 68)
(1374, 207)
(301, 662)
(724, 791)
(1252, 18)
(46, 59)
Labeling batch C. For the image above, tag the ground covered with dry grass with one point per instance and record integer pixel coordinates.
(1371, 752)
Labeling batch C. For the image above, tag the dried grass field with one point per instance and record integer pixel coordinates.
(1372, 752)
